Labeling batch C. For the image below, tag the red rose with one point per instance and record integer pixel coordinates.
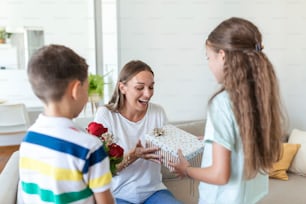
(96, 129)
(115, 151)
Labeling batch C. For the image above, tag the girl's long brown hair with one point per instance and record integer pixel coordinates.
(251, 82)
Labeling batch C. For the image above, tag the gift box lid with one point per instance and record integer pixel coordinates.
(170, 138)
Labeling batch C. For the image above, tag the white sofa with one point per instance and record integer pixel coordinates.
(282, 192)
(9, 180)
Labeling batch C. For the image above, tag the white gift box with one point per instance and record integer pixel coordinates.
(169, 139)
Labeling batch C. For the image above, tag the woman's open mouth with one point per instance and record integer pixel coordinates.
(145, 102)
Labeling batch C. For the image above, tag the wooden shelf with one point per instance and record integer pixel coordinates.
(5, 154)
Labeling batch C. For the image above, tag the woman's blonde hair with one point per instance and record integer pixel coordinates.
(251, 82)
(129, 70)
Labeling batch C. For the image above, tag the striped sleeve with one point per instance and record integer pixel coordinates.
(97, 169)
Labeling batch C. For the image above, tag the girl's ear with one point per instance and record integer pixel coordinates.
(222, 54)
(122, 87)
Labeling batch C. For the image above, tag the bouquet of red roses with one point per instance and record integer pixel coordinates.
(114, 151)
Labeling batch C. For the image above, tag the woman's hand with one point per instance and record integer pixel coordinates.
(147, 153)
(180, 168)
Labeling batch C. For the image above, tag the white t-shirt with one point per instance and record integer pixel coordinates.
(222, 128)
(141, 178)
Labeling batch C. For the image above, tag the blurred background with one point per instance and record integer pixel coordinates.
(168, 35)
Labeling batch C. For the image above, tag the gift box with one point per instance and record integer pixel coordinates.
(169, 139)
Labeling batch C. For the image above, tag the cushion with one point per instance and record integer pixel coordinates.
(298, 165)
(279, 170)
(193, 127)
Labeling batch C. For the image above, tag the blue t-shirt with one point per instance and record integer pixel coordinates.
(222, 128)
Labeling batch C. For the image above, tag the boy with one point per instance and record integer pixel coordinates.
(58, 162)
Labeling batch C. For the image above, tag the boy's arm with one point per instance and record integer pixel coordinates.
(105, 197)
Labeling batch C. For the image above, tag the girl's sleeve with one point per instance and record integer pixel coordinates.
(221, 122)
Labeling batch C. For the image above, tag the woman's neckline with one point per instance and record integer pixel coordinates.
(133, 117)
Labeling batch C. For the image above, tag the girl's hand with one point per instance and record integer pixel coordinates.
(200, 137)
(181, 167)
(147, 153)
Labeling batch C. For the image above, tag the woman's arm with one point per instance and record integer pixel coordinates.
(139, 152)
(105, 197)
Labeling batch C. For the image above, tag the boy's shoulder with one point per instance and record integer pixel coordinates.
(64, 130)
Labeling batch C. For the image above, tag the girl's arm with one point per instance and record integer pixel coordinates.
(218, 173)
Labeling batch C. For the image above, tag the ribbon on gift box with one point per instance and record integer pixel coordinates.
(158, 132)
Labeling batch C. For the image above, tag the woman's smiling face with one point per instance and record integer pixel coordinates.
(138, 91)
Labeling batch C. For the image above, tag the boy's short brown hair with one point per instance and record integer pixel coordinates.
(51, 69)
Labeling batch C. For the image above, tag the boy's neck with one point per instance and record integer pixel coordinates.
(59, 109)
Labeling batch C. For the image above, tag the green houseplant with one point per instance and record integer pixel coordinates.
(2, 35)
(95, 90)
(96, 86)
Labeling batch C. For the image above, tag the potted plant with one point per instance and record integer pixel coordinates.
(8, 37)
(96, 86)
(2, 35)
(95, 90)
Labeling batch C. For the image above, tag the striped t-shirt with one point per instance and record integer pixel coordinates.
(61, 164)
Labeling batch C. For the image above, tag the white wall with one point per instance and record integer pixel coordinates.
(169, 35)
(67, 22)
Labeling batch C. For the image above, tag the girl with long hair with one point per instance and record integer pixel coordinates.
(244, 119)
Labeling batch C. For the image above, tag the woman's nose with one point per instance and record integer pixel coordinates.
(148, 92)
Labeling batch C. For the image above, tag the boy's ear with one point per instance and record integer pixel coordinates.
(75, 86)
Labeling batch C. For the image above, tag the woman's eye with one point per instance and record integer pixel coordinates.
(139, 88)
(151, 87)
